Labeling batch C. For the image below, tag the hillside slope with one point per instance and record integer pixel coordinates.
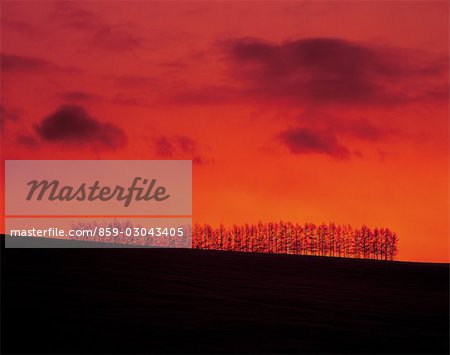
(190, 301)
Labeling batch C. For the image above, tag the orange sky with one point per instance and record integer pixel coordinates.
(301, 111)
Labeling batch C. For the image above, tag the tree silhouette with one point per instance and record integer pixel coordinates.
(308, 239)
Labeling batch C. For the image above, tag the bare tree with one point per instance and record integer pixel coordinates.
(309, 239)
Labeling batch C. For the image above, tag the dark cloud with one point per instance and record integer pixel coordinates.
(198, 161)
(21, 27)
(365, 130)
(119, 99)
(330, 70)
(164, 148)
(333, 135)
(306, 141)
(74, 126)
(178, 147)
(185, 144)
(17, 63)
(79, 96)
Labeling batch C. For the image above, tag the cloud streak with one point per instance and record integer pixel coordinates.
(307, 141)
(177, 147)
(79, 96)
(18, 64)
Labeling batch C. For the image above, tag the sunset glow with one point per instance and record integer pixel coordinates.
(306, 112)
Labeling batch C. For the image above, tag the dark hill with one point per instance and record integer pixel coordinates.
(194, 301)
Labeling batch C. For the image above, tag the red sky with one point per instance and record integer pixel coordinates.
(301, 111)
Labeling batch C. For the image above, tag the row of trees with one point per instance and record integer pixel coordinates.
(308, 239)
(281, 238)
